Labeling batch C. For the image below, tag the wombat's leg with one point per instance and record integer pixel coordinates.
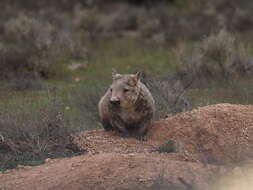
(107, 125)
(142, 131)
(119, 124)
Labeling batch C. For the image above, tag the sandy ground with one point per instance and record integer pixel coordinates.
(210, 142)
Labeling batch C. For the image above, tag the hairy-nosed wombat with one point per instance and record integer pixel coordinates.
(127, 106)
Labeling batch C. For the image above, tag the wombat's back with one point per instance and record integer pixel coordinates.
(103, 110)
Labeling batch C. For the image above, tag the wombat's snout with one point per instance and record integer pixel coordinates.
(115, 102)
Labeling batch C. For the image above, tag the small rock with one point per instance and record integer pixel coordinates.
(48, 160)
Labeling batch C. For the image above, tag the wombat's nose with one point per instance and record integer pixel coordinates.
(115, 102)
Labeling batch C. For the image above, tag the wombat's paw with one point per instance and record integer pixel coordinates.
(120, 134)
(124, 135)
(108, 129)
(142, 138)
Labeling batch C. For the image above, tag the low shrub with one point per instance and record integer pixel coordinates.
(27, 138)
(167, 147)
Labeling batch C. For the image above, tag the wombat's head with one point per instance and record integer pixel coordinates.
(125, 89)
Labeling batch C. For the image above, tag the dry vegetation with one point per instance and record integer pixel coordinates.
(33, 48)
(28, 138)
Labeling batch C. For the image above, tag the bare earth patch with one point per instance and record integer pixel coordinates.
(209, 140)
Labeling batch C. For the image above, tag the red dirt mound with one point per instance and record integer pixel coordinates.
(217, 135)
(111, 171)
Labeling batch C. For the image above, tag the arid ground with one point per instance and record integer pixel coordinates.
(191, 150)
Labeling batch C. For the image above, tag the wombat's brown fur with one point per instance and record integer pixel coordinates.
(127, 106)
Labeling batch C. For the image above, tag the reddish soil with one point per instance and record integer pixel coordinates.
(209, 140)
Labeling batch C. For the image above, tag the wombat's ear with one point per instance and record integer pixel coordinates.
(137, 76)
(115, 74)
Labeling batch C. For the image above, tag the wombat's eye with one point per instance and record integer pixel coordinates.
(110, 89)
(126, 90)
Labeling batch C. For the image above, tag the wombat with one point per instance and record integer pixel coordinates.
(127, 106)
